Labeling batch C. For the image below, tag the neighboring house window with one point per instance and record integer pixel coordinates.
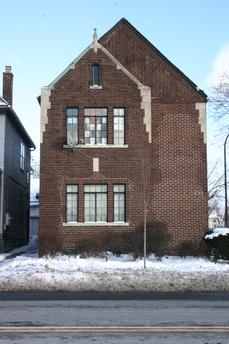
(22, 157)
(95, 203)
(72, 126)
(95, 75)
(95, 126)
(119, 202)
(118, 114)
(72, 203)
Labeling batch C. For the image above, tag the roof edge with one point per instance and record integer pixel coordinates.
(125, 21)
(19, 125)
(70, 66)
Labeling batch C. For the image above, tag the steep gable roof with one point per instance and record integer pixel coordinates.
(151, 46)
(5, 108)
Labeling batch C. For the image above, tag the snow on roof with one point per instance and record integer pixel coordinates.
(217, 232)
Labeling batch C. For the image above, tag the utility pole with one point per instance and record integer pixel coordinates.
(145, 209)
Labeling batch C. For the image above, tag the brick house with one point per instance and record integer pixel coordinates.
(15, 146)
(122, 135)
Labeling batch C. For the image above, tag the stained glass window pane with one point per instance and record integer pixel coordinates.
(95, 126)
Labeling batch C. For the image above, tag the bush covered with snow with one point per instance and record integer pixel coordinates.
(218, 241)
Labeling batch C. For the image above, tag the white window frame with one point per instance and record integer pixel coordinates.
(72, 203)
(22, 156)
(118, 121)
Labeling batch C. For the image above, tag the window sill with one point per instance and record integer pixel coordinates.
(96, 87)
(94, 146)
(94, 224)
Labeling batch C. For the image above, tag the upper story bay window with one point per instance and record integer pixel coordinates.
(95, 126)
(72, 126)
(119, 122)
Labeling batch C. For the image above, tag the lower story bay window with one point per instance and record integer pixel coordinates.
(72, 203)
(95, 203)
(92, 203)
(119, 203)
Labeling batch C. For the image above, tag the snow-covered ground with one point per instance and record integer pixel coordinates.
(72, 273)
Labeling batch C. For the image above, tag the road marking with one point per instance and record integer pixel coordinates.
(113, 329)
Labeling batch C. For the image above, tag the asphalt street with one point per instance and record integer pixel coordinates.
(114, 318)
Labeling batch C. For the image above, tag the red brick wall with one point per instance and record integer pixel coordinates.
(173, 165)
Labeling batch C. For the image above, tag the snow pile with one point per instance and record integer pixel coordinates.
(31, 246)
(72, 273)
(216, 232)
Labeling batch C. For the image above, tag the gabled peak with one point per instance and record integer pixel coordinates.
(124, 22)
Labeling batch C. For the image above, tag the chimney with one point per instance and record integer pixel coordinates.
(7, 85)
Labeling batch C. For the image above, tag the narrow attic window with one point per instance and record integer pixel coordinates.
(95, 74)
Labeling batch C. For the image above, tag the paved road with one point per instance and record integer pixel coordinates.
(32, 310)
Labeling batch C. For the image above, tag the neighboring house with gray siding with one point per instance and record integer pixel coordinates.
(15, 147)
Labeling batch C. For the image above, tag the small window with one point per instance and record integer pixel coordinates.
(95, 203)
(95, 126)
(72, 203)
(95, 75)
(72, 126)
(22, 157)
(119, 130)
(119, 203)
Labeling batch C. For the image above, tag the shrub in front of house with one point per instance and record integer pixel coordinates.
(129, 242)
(218, 243)
(157, 239)
(193, 249)
(49, 244)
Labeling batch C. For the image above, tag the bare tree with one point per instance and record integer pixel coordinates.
(215, 189)
(35, 168)
(219, 101)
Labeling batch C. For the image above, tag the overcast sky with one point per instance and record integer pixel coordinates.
(40, 38)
